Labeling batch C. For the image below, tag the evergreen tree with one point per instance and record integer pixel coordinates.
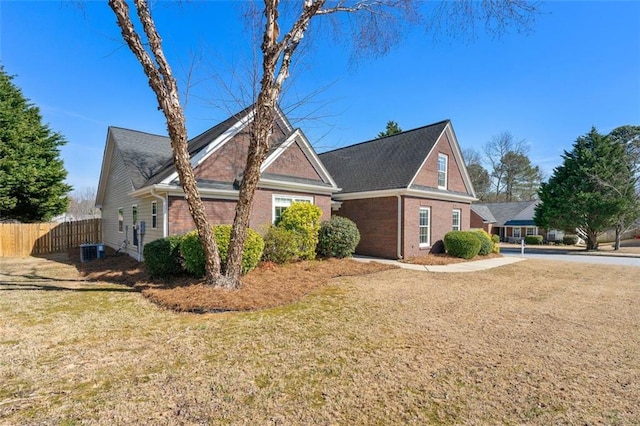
(589, 191)
(392, 129)
(32, 187)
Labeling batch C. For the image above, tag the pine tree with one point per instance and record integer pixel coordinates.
(32, 174)
(392, 129)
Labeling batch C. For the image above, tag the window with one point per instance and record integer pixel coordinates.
(154, 214)
(281, 202)
(456, 219)
(425, 214)
(442, 171)
(516, 233)
(120, 219)
(134, 215)
(531, 230)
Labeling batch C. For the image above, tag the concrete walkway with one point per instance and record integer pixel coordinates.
(478, 265)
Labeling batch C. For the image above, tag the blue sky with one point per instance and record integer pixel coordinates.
(580, 67)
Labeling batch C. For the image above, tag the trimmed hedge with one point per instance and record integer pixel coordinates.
(162, 256)
(281, 245)
(193, 253)
(533, 239)
(496, 240)
(570, 240)
(486, 244)
(304, 218)
(464, 244)
(338, 237)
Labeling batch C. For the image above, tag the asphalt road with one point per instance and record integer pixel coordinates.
(565, 256)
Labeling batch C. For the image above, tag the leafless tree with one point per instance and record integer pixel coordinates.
(82, 204)
(368, 26)
(500, 151)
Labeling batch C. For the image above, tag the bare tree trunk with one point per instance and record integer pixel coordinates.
(165, 87)
(616, 244)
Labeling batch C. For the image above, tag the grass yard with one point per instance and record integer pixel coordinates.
(531, 343)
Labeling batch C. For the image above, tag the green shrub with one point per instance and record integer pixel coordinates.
(304, 218)
(486, 244)
(533, 239)
(496, 240)
(162, 256)
(570, 240)
(338, 237)
(193, 253)
(464, 244)
(281, 245)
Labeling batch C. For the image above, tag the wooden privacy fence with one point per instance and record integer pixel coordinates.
(25, 239)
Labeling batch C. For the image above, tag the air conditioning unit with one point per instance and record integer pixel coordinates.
(91, 252)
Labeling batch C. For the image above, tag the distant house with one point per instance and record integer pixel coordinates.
(512, 221)
(404, 191)
(141, 199)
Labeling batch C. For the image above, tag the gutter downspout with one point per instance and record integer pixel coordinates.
(165, 211)
(399, 253)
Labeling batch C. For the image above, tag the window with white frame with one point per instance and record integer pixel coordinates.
(120, 219)
(532, 230)
(425, 226)
(456, 219)
(516, 233)
(154, 214)
(281, 202)
(442, 170)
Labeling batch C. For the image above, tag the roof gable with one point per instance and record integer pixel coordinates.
(143, 155)
(509, 211)
(386, 163)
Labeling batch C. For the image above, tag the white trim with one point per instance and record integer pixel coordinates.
(428, 226)
(292, 198)
(399, 242)
(296, 186)
(453, 212)
(215, 145)
(165, 211)
(457, 155)
(154, 216)
(445, 157)
(433, 195)
(308, 151)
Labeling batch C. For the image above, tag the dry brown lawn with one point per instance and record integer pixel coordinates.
(530, 343)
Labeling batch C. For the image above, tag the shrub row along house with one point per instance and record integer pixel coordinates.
(404, 192)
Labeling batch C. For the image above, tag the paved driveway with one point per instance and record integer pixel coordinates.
(563, 256)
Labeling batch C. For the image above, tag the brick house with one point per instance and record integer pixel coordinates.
(141, 199)
(404, 191)
(511, 221)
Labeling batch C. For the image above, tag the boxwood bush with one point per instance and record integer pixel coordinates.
(282, 245)
(464, 244)
(486, 244)
(162, 256)
(338, 237)
(193, 253)
(570, 240)
(533, 239)
(304, 218)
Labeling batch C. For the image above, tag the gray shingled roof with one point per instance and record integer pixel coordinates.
(198, 143)
(504, 212)
(484, 212)
(386, 163)
(143, 154)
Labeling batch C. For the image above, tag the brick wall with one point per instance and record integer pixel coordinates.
(428, 175)
(377, 221)
(477, 223)
(441, 222)
(222, 212)
(293, 162)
